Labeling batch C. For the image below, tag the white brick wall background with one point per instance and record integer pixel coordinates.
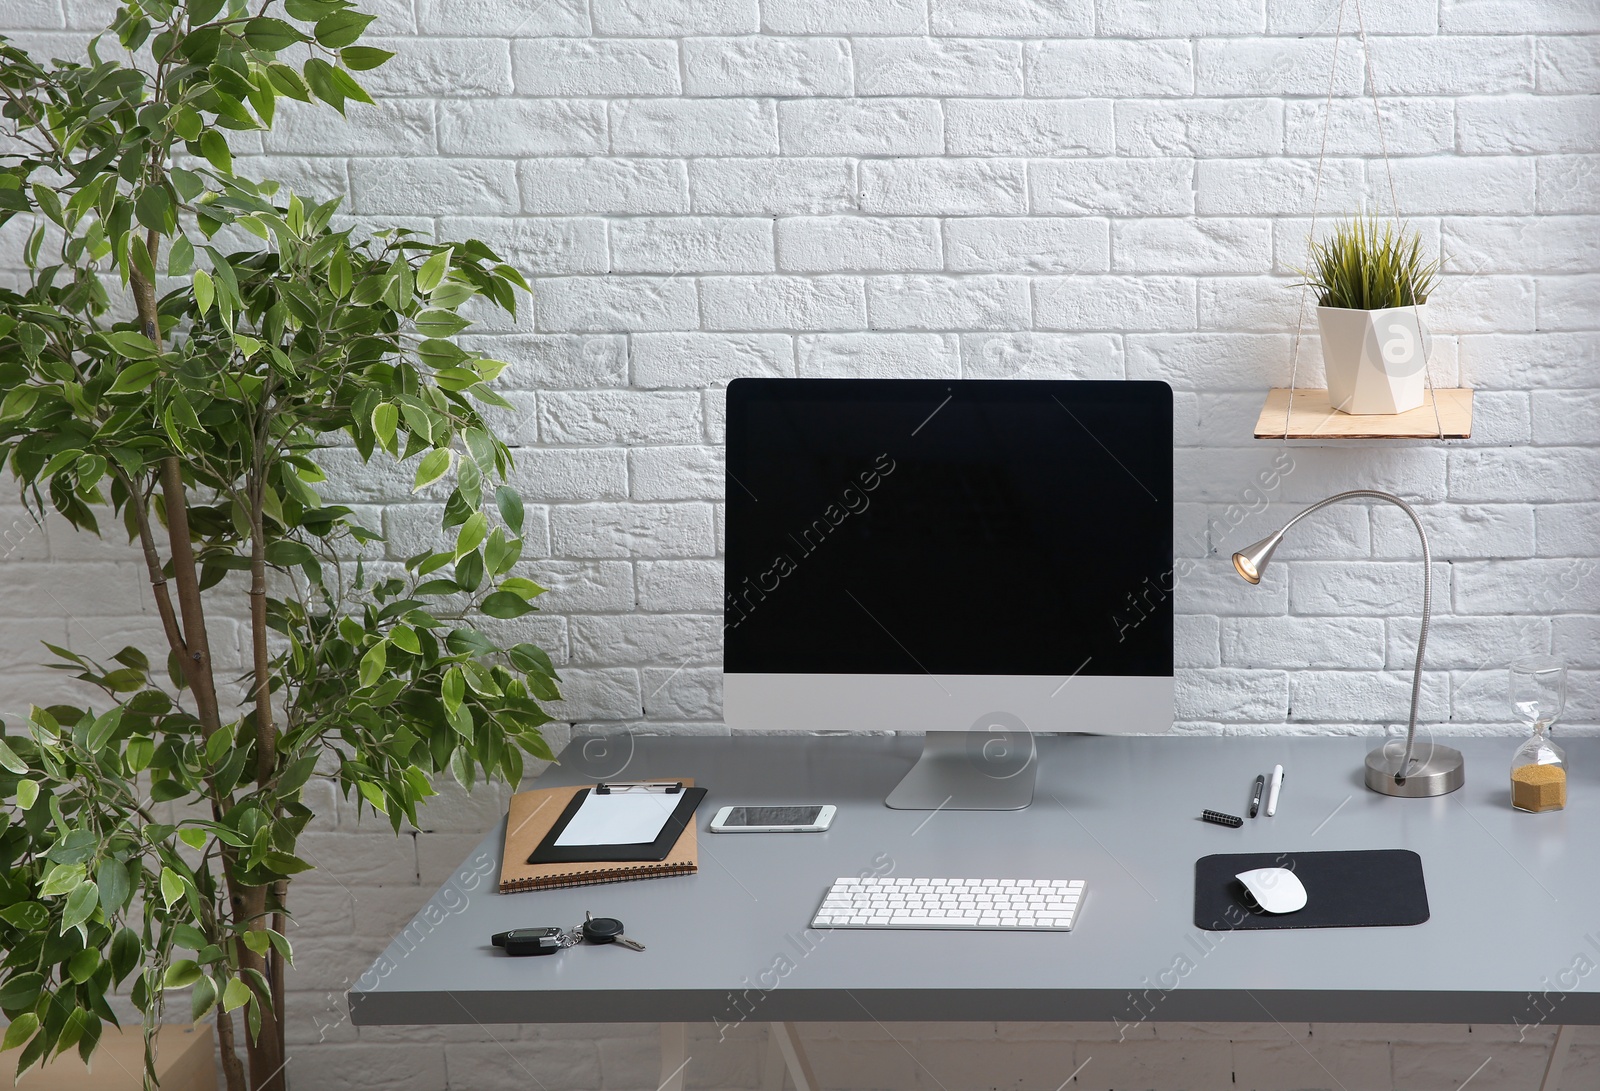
(703, 189)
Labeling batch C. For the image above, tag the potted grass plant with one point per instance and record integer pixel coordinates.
(1372, 283)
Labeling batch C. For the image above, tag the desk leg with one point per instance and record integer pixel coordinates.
(1558, 1060)
(773, 1067)
(794, 1056)
(674, 1056)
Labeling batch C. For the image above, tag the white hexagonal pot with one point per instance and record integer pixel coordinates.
(1375, 360)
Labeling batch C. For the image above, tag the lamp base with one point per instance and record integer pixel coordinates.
(1435, 771)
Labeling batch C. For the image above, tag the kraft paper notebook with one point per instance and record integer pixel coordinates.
(532, 816)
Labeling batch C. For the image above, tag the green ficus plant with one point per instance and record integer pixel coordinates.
(155, 375)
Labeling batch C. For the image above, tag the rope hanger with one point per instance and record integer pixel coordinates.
(1316, 202)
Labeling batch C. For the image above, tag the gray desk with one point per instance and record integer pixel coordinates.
(1515, 898)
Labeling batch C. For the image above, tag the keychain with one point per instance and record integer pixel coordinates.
(520, 942)
(604, 930)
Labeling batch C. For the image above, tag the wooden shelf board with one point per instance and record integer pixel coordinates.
(1313, 418)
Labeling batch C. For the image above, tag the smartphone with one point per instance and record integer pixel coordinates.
(773, 819)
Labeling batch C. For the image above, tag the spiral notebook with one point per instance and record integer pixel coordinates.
(534, 814)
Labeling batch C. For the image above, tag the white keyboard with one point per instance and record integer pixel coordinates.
(1007, 905)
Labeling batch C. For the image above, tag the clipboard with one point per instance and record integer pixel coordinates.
(530, 817)
(549, 852)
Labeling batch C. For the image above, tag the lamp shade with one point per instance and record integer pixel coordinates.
(1251, 561)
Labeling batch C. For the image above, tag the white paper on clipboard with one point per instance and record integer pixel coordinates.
(626, 818)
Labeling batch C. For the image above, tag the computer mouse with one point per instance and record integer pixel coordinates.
(1275, 889)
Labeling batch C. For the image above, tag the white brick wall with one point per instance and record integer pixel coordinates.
(703, 189)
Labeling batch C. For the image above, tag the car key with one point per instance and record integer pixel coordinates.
(521, 942)
(606, 930)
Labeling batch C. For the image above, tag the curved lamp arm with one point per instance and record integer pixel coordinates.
(1251, 562)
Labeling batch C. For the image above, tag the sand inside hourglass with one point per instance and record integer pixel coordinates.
(1538, 787)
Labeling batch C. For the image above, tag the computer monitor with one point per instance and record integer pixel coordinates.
(950, 556)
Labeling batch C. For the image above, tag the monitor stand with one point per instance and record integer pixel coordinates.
(970, 771)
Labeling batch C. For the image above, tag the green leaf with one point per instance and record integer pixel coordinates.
(522, 588)
(469, 571)
(60, 879)
(286, 553)
(453, 689)
(135, 346)
(182, 973)
(236, 995)
(106, 725)
(405, 639)
(436, 323)
(180, 258)
(342, 28)
(112, 879)
(438, 353)
(428, 276)
(361, 58)
(339, 275)
(21, 991)
(319, 75)
(271, 34)
(435, 464)
(140, 752)
(192, 836)
(83, 965)
(20, 1030)
(10, 761)
(385, 422)
(18, 402)
(27, 793)
(202, 999)
(204, 291)
(188, 184)
(372, 664)
(154, 207)
(461, 720)
(471, 534)
(509, 501)
(81, 904)
(287, 82)
(505, 605)
(171, 886)
(285, 864)
(138, 375)
(29, 916)
(214, 146)
(258, 941)
(125, 951)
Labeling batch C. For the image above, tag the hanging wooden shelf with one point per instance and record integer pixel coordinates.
(1313, 418)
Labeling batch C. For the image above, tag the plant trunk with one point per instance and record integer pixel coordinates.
(195, 675)
(266, 732)
(144, 292)
(232, 1068)
(267, 1052)
(197, 646)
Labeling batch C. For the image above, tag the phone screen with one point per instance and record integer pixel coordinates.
(773, 816)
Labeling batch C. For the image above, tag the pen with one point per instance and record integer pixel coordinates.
(1272, 792)
(1255, 795)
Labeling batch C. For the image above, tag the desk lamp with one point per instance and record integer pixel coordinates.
(1389, 771)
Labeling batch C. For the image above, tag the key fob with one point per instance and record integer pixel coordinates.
(520, 942)
(602, 929)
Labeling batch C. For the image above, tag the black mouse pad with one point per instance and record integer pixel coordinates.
(1368, 889)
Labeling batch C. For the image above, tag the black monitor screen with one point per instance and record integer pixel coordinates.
(949, 527)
